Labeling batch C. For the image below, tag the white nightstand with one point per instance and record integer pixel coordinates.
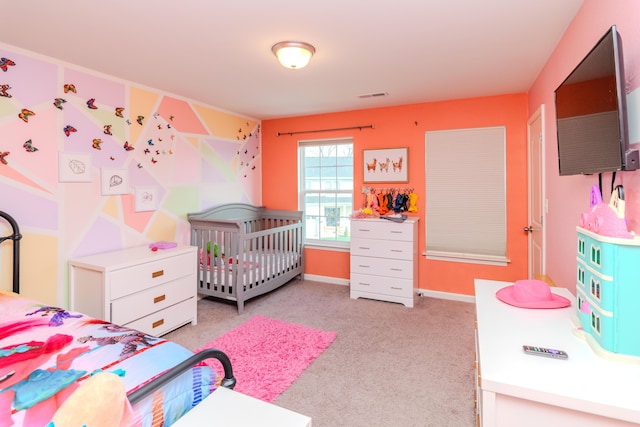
(230, 408)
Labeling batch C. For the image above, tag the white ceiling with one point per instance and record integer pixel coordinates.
(219, 51)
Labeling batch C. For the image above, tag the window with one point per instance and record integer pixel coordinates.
(325, 168)
(466, 195)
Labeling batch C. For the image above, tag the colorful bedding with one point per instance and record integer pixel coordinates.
(47, 352)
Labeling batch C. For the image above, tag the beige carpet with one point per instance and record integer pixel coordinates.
(389, 365)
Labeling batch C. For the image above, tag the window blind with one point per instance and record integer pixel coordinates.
(465, 194)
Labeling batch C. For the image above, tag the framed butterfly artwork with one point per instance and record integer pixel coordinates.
(74, 167)
(146, 199)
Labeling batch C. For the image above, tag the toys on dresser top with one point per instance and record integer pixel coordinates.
(607, 219)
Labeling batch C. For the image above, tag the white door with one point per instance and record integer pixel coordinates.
(534, 228)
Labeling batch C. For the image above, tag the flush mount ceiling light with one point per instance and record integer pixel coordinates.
(293, 55)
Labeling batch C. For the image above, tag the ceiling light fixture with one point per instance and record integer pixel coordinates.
(293, 55)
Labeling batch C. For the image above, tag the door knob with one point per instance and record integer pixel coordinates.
(528, 229)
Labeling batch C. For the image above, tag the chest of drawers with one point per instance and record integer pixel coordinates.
(153, 292)
(384, 260)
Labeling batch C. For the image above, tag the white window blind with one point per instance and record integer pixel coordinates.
(465, 194)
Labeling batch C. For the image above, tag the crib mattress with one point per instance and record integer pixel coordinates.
(56, 350)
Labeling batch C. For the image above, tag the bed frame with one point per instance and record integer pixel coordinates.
(228, 381)
(246, 251)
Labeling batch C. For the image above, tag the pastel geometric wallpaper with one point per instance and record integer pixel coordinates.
(81, 151)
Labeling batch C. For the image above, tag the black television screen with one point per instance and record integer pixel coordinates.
(591, 114)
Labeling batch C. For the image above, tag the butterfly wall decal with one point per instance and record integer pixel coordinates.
(58, 103)
(107, 130)
(139, 120)
(146, 151)
(25, 114)
(4, 154)
(127, 147)
(5, 63)
(153, 160)
(70, 87)
(68, 129)
(91, 104)
(119, 111)
(3, 91)
(28, 146)
(96, 143)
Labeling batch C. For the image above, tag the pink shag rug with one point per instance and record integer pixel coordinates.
(267, 355)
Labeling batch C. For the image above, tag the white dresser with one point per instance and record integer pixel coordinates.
(151, 291)
(516, 389)
(384, 260)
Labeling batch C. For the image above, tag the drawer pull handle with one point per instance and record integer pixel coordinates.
(363, 229)
(157, 274)
(364, 284)
(159, 299)
(157, 323)
(396, 288)
(363, 247)
(396, 269)
(362, 265)
(396, 232)
(397, 250)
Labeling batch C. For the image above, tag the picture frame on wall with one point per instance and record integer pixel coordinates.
(386, 165)
(114, 181)
(146, 199)
(74, 167)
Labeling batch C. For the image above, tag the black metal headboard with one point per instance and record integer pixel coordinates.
(16, 236)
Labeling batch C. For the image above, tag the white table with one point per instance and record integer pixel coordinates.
(516, 389)
(230, 408)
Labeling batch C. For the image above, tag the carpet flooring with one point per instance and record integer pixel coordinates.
(388, 366)
(268, 355)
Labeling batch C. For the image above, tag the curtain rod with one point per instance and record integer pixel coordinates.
(324, 130)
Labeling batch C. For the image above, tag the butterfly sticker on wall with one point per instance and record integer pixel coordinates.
(28, 146)
(139, 120)
(91, 104)
(4, 91)
(119, 111)
(3, 154)
(25, 114)
(5, 63)
(70, 88)
(96, 144)
(68, 129)
(107, 130)
(127, 147)
(58, 103)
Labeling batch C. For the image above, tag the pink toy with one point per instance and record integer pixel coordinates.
(162, 245)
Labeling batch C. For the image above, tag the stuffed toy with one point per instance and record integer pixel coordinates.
(100, 401)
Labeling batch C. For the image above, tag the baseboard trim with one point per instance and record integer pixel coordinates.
(446, 295)
(326, 279)
(419, 292)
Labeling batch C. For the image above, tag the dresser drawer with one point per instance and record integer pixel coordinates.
(139, 277)
(382, 285)
(382, 230)
(129, 308)
(382, 249)
(163, 321)
(394, 268)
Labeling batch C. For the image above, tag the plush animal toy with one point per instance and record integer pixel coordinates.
(100, 401)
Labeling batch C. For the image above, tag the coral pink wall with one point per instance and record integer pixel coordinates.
(405, 126)
(568, 196)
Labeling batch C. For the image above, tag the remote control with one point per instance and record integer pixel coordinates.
(546, 352)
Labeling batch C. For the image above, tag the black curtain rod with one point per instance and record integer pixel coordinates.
(324, 130)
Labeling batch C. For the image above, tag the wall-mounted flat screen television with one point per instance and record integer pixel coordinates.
(591, 113)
